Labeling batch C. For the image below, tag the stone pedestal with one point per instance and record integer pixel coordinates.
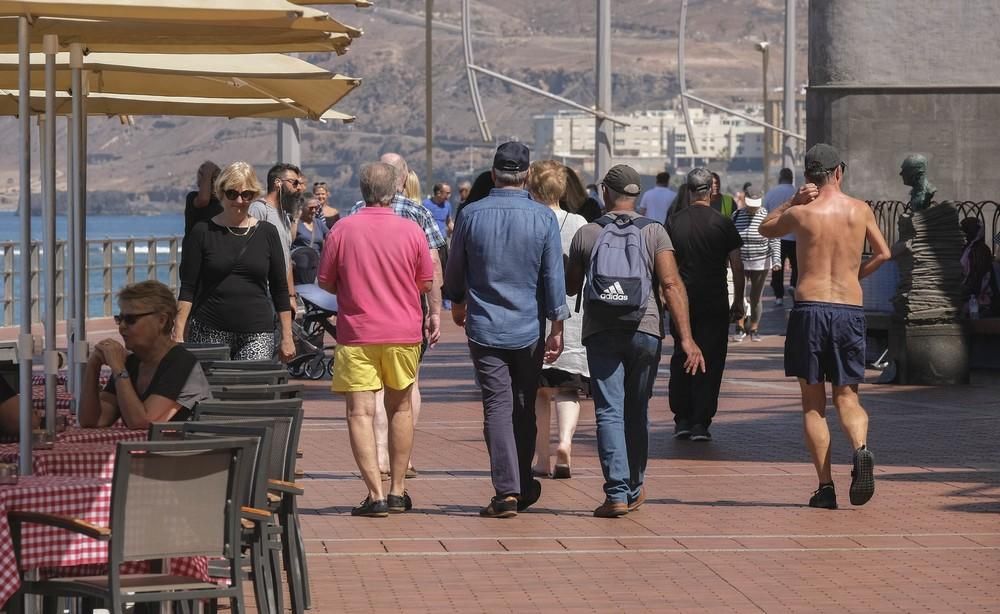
(929, 355)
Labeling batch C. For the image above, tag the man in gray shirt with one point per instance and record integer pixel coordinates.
(284, 189)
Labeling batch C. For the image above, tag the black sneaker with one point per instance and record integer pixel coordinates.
(371, 508)
(862, 476)
(700, 433)
(531, 497)
(825, 497)
(682, 430)
(500, 507)
(398, 504)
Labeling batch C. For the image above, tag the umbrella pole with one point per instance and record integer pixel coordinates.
(79, 231)
(25, 346)
(50, 45)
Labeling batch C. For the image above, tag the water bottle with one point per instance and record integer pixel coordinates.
(973, 308)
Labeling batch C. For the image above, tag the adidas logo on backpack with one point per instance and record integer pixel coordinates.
(620, 276)
(614, 293)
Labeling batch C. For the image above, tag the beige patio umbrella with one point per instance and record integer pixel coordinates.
(235, 20)
(306, 86)
(136, 104)
(167, 37)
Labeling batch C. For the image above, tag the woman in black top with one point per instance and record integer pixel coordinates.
(310, 231)
(159, 381)
(233, 276)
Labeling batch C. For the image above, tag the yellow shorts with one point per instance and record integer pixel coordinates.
(357, 368)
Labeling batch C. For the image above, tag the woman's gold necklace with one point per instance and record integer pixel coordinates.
(246, 230)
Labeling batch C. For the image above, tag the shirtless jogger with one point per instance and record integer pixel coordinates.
(826, 328)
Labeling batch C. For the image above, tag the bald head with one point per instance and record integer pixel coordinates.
(402, 170)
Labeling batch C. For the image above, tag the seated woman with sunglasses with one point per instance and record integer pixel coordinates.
(234, 276)
(158, 381)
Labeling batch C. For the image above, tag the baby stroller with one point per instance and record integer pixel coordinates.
(309, 330)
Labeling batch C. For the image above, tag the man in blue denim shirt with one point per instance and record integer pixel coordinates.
(505, 278)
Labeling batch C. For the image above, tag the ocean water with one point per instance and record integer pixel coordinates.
(98, 227)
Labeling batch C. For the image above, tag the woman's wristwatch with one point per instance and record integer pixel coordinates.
(123, 374)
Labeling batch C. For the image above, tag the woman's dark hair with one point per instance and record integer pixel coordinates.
(590, 209)
(480, 189)
(575, 194)
(680, 203)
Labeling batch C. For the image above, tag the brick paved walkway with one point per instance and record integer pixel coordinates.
(725, 527)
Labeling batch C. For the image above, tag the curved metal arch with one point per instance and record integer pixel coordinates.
(471, 68)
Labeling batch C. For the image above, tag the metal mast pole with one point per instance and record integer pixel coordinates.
(603, 135)
(788, 123)
(50, 43)
(765, 52)
(25, 344)
(428, 94)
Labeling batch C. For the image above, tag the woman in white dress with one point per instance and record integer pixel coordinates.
(564, 380)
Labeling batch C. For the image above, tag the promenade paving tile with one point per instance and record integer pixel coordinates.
(725, 527)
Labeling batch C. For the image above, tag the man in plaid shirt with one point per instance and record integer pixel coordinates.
(411, 210)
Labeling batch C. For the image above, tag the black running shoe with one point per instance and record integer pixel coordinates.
(700, 432)
(862, 476)
(399, 503)
(371, 508)
(682, 430)
(500, 507)
(825, 497)
(529, 498)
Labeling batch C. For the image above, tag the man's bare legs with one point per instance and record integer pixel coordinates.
(360, 418)
(400, 418)
(853, 417)
(816, 430)
(382, 425)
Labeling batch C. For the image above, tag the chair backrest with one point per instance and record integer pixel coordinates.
(177, 498)
(210, 366)
(208, 351)
(257, 392)
(255, 470)
(239, 378)
(288, 417)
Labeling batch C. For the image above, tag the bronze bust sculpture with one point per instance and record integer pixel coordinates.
(914, 174)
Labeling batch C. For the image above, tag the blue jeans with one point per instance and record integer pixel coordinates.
(622, 370)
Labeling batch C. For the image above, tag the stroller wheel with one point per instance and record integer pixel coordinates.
(297, 368)
(329, 366)
(316, 368)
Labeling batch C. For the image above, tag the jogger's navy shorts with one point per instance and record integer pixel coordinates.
(826, 342)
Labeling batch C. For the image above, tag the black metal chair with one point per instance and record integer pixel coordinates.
(208, 351)
(257, 392)
(283, 491)
(169, 499)
(242, 378)
(256, 517)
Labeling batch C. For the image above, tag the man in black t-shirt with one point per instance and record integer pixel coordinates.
(202, 204)
(704, 241)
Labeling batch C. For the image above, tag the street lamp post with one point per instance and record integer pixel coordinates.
(764, 48)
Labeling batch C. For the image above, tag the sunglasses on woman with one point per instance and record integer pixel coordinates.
(130, 318)
(247, 195)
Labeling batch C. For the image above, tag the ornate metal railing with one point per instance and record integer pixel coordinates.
(111, 263)
(887, 214)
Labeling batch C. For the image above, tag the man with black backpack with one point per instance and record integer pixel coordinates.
(624, 265)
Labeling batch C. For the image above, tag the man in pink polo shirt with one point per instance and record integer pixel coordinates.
(377, 264)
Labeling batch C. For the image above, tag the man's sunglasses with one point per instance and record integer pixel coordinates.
(295, 182)
(247, 195)
(130, 318)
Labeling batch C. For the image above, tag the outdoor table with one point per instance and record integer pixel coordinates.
(58, 551)
(85, 460)
(110, 434)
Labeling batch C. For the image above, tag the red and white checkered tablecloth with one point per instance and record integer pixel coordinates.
(111, 434)
(85, 460)
(63, 398)
(49, 547)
